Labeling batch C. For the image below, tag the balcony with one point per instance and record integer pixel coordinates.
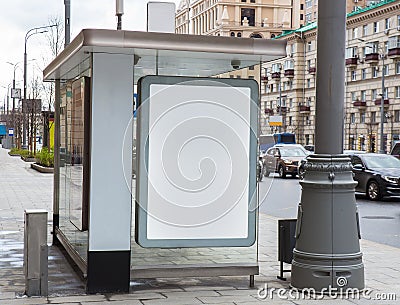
(264, 78)
(394, 53)
(269, 111)
(351, 62)
(360, 104)
(289, 73)
(385, 102)
(372, 58)
(312, 70)
(276, 75)
(304, 109)
(283, 109)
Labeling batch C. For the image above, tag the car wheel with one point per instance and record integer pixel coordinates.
(373, 191)
(281, 172)
(266, 172)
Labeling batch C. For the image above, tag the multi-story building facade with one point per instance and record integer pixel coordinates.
(373, 48)
(311, 8)
(239, 18)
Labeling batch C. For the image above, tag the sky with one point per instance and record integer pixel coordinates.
(19, 16)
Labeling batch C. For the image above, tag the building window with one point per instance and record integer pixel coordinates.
(309, 46)
(291, 103)
(355, 33)
(387, 23)
(386, 93)
(376, 27)
(353, 96)
(386, 70)
(374, 72)
(308, 18)
(363, 73)
(365, 30)
(397, 115)
(290, 121)
(252, 1)
(301, 6)
(250, 14)
(301, 17)
(251, 76)
(251, 68)
(397, 91)
(362, 117)
(353, 75)
(363, 95)
(398, 67)
(374, 94)
(373, 117)
(232, 34)
(239, 34)
(352, 118)
(308, 83)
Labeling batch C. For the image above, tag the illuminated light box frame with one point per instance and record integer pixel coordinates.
(197, 151)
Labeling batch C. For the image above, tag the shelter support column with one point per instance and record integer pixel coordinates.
(56, 184)
(111, 115)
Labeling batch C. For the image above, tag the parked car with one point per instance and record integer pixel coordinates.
(309, 148)
(283, 159)
(396, 150)
(378, 175)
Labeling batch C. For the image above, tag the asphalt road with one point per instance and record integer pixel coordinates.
(379, 220)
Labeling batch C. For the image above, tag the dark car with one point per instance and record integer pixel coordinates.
(396, 150)
(283, 159)
(378, 175)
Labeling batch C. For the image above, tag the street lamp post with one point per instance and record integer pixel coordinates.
(31, 32)
(381, 134)
(381, 148)
(67, 4)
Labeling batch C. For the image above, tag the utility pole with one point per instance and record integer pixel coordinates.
(327, 253)
(119, 11)
(67, 5)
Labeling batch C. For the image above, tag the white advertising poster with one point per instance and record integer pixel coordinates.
(196, 183)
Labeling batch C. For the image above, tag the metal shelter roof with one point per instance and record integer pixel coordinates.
(164, 53)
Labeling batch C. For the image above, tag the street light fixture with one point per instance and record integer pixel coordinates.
(29, 33)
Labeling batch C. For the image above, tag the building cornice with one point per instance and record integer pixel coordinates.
(374, 14)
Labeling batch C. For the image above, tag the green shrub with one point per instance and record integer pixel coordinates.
(45, 157)
(15, 151)
(25, 153)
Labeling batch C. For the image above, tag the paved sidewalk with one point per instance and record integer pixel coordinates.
(23, 188)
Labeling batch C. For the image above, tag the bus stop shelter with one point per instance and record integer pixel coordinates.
(102, 192)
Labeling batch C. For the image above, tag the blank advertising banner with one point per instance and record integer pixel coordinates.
(197, 147)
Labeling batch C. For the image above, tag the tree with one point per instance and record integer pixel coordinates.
(55, 40)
